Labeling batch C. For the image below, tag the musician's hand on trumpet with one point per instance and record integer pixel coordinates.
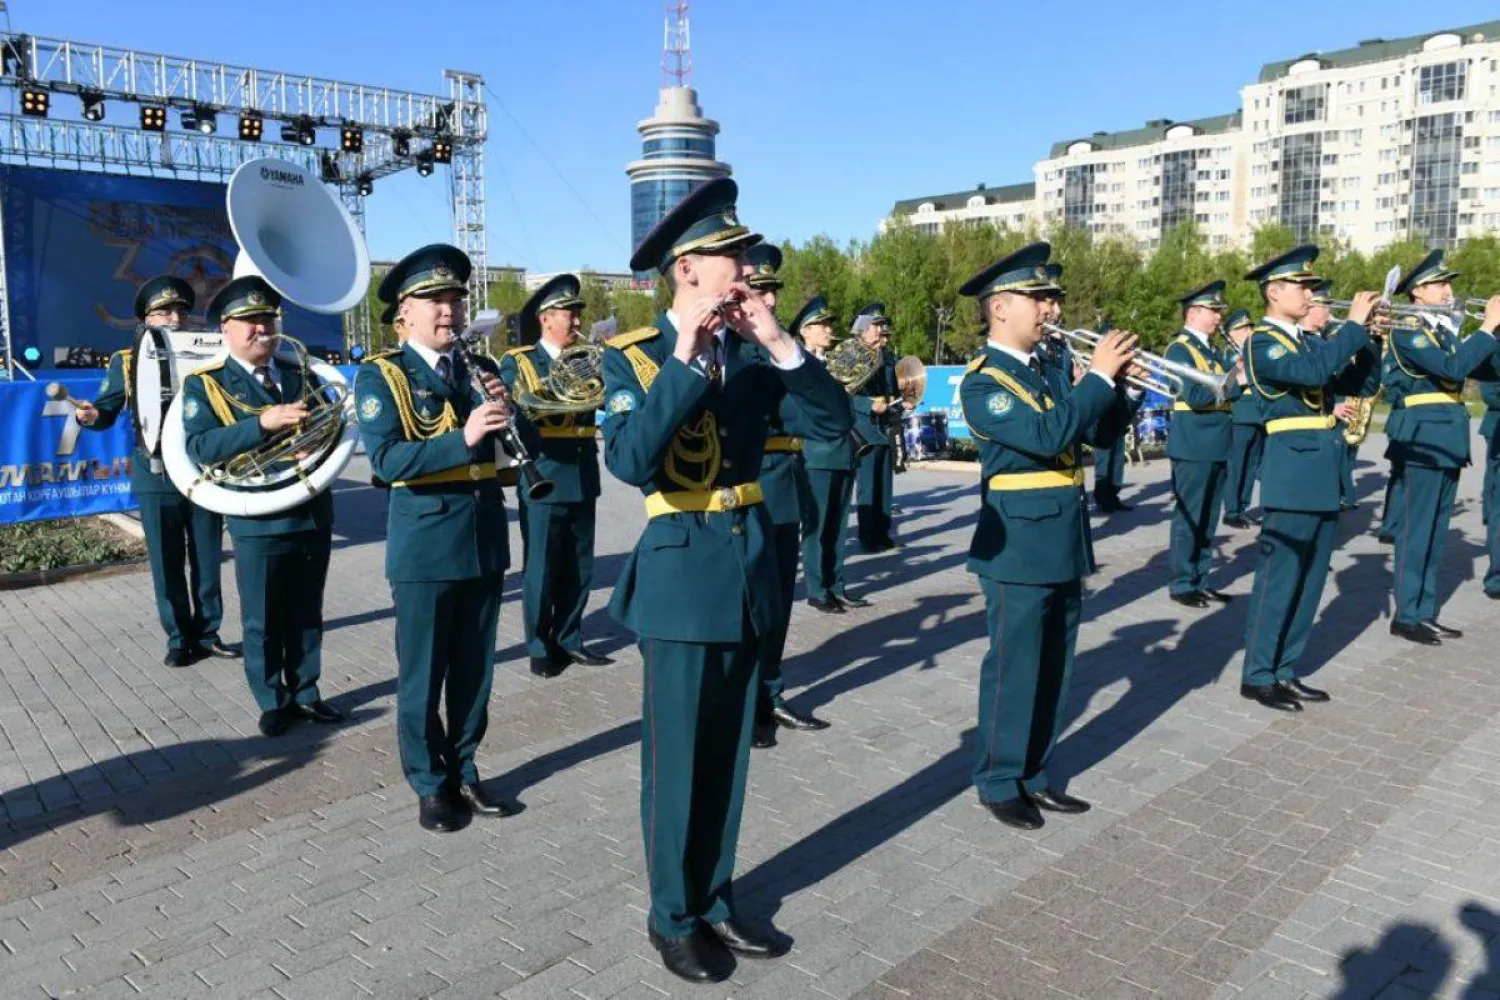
(1113, 353)
(1362, 306)
(1491, 320)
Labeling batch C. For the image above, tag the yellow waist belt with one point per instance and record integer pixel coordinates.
(567, 432)
(1430, 398)
(783, 442)
(506, 476)
(1036, 480)
(1281, 424)
(703, 501)
(1180, 407)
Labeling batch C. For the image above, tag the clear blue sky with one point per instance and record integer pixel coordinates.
(831, 109)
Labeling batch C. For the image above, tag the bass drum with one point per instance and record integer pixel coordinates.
(162, 358)
(266, 494)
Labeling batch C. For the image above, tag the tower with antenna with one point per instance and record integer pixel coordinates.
(677, 142)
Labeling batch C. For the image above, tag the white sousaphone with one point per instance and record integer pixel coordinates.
(293, 232)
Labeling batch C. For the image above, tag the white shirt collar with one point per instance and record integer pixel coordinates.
(1025, 357)
(546, 345)
(252, 369)
(1202, 337)
(430, 356)
(1291, 328)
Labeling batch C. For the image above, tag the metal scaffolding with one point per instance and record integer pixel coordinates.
(399, 130)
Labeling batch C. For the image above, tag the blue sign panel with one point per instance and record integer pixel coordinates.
(51, 467)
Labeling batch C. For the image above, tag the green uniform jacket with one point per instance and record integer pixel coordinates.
(437, 531)
(781, 470)
(220, 425)
(1489, 391)
(1298, 378)
(1203, 433)
(1245, 408)
(692, 577)
(882, 385)
(569, 460)
(1432, 360)
(113, 398)
(1033, 536)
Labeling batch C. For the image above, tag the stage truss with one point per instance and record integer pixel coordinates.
(399, 130)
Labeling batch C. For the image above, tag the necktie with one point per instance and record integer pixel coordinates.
(1035, 364)
(445, 370)
(264, 374)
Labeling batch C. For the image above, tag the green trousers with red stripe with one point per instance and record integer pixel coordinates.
(698, 703)
(1023, 684)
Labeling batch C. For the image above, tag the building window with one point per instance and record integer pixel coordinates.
(1078, 194)
(1351, 182)
(1301, 158)
(1443, 82)
(1304, 104)
(1435, 172)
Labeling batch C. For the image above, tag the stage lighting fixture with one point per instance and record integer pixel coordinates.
(356, 354)
(442, 151)
(252, 127)
(153, 118)
(424, 164)
(35, 102)
(303, 131)
(352, 139)
(366, 185)
(401, 142)
(93, 105)
(201, 119)
(32, 355)
(330, 169)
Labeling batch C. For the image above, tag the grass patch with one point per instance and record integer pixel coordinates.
(45, 545)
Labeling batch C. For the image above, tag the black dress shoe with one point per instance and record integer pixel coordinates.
(545, 666)
(481, 803)
(1492, 595)
(219, 650)
(1271, 696)
(854, 602)
(1417, 633)
(1348, 506)
(178, 658)
(1237, 522)
(763, 735)
(750, 943)
(1059, 802)
(321, 712)
(1020, 813)
(792, 719)
(587, 658)
(275, 722)
(437, 813)
(1386, 538)
(1434, 625)
(1121, 508)
(1217, 595)
(828, 607)
(1303, 692)
(1190, 599)
(700, 957)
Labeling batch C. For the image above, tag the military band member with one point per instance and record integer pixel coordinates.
(830, 466)
(1344, 407)
(1489, 430)
(1247, 432)
(281, 559)
(876, 404)
(557, 531)
(1431, 440)
(687, 403)
(783, 481)
(430, 434)
(1031, 547)
(1109, 441)
(1294, 375)
(1198, 445)
(179, 533)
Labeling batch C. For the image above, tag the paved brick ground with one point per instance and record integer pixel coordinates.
(151, 842)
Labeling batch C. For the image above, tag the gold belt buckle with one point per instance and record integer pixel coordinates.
(729, 498)
(474, 472)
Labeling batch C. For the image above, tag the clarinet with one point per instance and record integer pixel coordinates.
(537, 486)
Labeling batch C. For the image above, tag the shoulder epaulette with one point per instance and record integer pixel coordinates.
(389, 352)
(519, 350)
(212, 366)
(624, 340)
(124, 352)
(975, 365)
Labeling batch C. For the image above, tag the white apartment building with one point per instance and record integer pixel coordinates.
(1013, 206)
(1370, 143)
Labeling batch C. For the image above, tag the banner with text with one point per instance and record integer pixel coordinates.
(51, 467)
(79, 245)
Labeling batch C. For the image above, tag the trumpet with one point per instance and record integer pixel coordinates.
(1162, 376)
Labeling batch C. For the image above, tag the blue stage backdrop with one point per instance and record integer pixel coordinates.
(51, 467)
(78, 245)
